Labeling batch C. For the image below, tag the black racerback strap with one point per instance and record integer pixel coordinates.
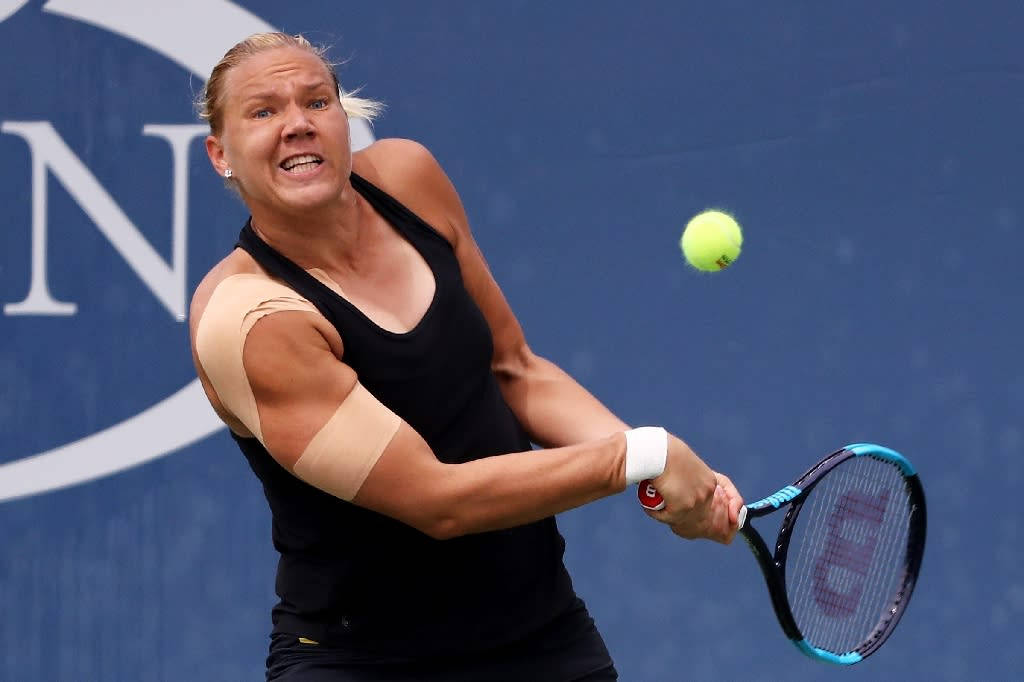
(284, 269)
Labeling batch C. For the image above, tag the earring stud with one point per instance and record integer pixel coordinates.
(227, 173)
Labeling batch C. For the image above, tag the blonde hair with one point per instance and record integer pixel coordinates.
(210, 104)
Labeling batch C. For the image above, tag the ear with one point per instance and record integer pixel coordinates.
(215, 150)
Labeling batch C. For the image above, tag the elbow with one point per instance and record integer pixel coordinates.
(513, 365)
(440, 526)
(440, 517)
(448, 506)
(444, 527)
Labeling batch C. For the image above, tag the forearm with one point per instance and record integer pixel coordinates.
(447, 500)
(552, 406)
(500, 492)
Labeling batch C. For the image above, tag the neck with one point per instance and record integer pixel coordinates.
(326, 237)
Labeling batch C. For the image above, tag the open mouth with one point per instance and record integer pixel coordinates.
(301, 163)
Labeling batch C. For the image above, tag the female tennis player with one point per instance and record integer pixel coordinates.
(372, 373)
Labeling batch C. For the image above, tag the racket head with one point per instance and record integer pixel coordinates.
(848, 551)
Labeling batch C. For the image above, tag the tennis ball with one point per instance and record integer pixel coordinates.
(711, 241)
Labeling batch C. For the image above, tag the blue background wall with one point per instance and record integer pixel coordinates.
(872, 152)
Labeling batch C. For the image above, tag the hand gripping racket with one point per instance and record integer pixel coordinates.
(848, 553)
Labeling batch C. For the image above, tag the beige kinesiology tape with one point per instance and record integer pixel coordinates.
(342, 453)
(236, 304)
(340, 456)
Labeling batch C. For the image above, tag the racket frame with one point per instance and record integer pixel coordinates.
(773, 563)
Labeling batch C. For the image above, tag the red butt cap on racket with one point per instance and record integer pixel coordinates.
(649, 496)
(652, 500)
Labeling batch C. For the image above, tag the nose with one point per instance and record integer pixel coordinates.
(298, 124)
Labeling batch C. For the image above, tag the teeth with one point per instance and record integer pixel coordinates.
(303, 159)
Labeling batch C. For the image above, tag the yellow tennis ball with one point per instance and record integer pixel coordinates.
(711, 241)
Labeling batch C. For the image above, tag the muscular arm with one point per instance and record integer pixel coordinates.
(551, 405)
(299, 383)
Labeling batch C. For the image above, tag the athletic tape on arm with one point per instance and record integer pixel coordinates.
(237, 303)
(341, 454)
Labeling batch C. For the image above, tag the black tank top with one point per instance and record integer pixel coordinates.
(358, 580)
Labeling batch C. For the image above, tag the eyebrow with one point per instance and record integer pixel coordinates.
(269, 94)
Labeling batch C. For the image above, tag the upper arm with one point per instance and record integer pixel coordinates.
(296, 379)
(321, 424)
(270, 361)
(236, 305)
(276, 366)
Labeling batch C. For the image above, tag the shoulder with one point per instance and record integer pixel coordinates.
(236, 262)
(235, 304)
(408, 171)
(236, 289)
(398, 158)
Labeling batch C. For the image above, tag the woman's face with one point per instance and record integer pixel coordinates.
(284, 134)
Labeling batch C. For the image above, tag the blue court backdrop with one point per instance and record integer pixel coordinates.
(871, 150)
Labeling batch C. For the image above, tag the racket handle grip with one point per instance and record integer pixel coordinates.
(652, 500)
(649, 496)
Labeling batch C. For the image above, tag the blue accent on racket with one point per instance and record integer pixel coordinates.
(814, 652)
(777, 499)
(882, 452)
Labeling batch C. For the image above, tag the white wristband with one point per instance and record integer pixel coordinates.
(646, 451)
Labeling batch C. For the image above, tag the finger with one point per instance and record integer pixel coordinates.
(728, 485)
(728, 533)
(716, 519)
(685, 532)
(735, 499)
(723, 538)
(730, 520)
(731, 507)
(660, 515)
(719, 506)
(732, 526)
(734, 513)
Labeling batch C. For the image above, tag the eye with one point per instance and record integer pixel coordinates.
(318, 103)
(261, 113)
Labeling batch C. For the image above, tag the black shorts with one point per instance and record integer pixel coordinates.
(570, 649)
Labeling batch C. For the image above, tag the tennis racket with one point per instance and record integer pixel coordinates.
(847, 554)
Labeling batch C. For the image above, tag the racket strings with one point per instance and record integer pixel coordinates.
(847, 553)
